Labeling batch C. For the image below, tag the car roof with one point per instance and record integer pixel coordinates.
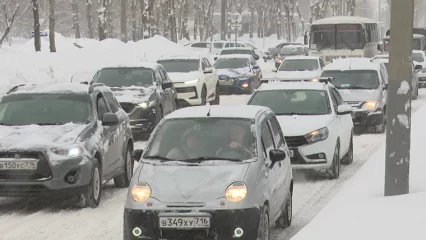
(182, 56)
(344, 64)
(343, 20)
(294, 46)
(292, 85)
(133, 64)
(302, 57)
(218, 111)
(230, 56)
(53, 88)
(419, 51)
(237, 48)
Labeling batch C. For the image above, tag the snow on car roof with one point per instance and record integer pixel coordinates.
(236, 48)
(218, 111)
(302, 57)
(344, 64)
(418, 51)
(343, 20)
(294, 46)
(133, 64)
(54, 88)
(234, 56)
(292, 85)
(182, 56)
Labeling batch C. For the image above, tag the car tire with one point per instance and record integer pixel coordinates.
(335, 168)
(284, 221)
(416, 94)
(203, 96)
(123, 180)
(263, 231)
(91, 197)
(381, 128)
(216, 100)
(349, 157)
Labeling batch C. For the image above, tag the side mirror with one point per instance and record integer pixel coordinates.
(215, 58)
(137, 154)
(256, 67)
(110, 119)
(274, 70)
(167, 85)
(344, 109)
(418, 67)
(276, 155)
(208, 70)
(256, 57)
(385, 87)
(85, 82)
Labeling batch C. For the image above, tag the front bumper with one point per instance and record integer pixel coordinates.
(143, 120)
(317, 155)
(188, 94)
(49, 178)
(422, 80)
(367, 118)
(235, 85)
(222, 224)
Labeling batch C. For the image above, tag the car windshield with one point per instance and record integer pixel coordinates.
(202, 139)
(337, 36)
(125, 77)
(386, 65)
(354, 79)
(44, 109)
(299, 65)
(180, 65)
(418, 57)
(293, 101)
(417, 44)
(231, 63)
(288, 51)
(235, 51)
(218, 45)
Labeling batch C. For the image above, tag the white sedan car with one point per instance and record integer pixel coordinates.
(419, 58)
(300, 68)
(194, 78)
(317, 125)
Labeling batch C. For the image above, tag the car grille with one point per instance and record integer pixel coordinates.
(186, 90)
(127, 107)
(296, 141)
(43, 170)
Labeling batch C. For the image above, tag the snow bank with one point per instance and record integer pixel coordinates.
(23, 65)
(359, 210)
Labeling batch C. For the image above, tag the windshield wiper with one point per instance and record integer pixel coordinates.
(5, 124)
(347, 44)
(295, 113)
(200, 159)
(355, 87)
(48, 123)
(159, 158)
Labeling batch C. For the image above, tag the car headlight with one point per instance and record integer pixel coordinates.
(317, 135)
(192, 81)
(141, 192)
(370, 105)
(146, 104)
(236, 192)
(71, 152)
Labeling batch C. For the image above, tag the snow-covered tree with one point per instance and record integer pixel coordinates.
(102, 25)
(11, 13)
(123, 20)
(89, 18)
(37, 41)
(52, 44)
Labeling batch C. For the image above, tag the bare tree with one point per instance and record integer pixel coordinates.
(75, 12)
(302, 20)
(171, 14)
(52, 44)
(10, 17)
(89, 18)
(133, 10)
(123, 21)
(102, 26)
(252, 7)
(37, 41)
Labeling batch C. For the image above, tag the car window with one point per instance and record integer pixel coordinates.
(339, 98)
(208, 65)
(277, 133)
(267, 139)
(180, 65)
(125, 77)
(353, 79)
(113, 104)
(102, 107)
(203, 65)
(158, 77)
(322, 63)
(200, 45)
(299, 65)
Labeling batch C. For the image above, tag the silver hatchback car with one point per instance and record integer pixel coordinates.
(211, 172)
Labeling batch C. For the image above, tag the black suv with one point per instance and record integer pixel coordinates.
(144, 91)
(63, 138)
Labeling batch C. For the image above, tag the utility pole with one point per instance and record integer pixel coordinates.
(399, 99)
(223, 20)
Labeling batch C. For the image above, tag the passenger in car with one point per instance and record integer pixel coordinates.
(239, 141)
(190, 148)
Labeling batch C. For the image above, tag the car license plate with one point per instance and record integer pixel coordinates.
(226, 82)
(18, 165)
(184, 222)
(291, 153)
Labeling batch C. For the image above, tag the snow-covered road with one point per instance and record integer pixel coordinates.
(52, 219)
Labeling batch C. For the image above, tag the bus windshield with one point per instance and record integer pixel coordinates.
(336, 36)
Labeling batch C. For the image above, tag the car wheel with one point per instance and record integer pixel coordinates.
(416, 94)
(216, 100)
(284, 221)
(335, 168)
(381, 127)
(123, 180)
(349, 157)
(92, 195)
(204, 96)
(263, 230)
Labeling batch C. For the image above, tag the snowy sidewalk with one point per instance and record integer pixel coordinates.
(359, 210)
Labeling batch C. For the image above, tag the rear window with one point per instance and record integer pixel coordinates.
(125, 77)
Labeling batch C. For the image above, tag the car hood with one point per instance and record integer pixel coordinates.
(233, 72)
(177, 77)
(297, 75)
(133, 94)
(184, 183)
(359, 95)
(299, 125)
(35, 136)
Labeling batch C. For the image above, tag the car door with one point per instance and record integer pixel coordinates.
(167, 88)
(340, 123)
(209, 79)
(268, 144)
(119, 132)
(107, 136)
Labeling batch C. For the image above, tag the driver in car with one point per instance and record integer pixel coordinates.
(191, 146)
(238, 141)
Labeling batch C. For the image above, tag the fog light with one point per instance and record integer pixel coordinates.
(137, 232)
(238, 232)
(245, 85)
(71, 177)
(321, 155)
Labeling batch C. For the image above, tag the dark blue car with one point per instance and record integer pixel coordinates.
(237, 74)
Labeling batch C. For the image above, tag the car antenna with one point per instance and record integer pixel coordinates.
(210, 108)
(72, 78)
